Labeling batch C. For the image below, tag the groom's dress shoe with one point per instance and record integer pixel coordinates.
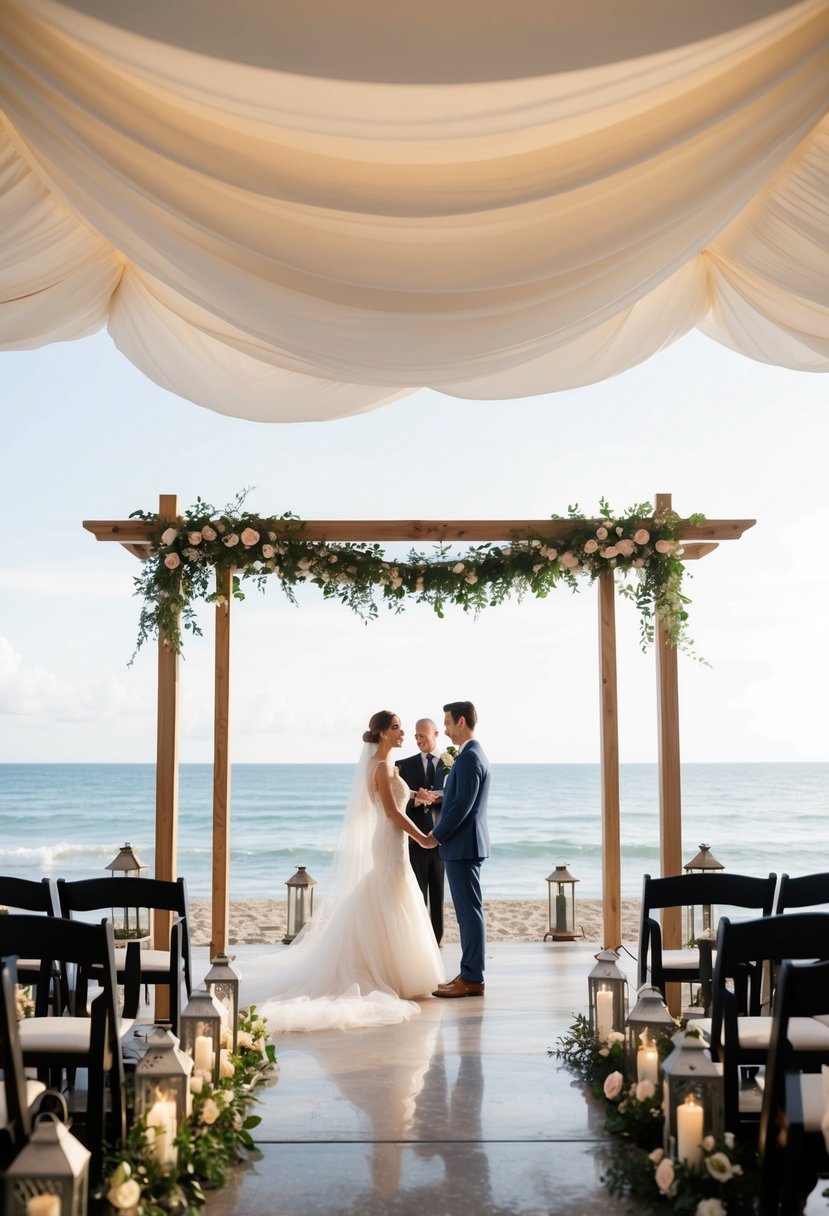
(449, 983)
(459, 987)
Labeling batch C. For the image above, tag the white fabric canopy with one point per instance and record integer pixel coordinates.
(290, 212)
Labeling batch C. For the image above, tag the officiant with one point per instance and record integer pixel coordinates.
(426, 770)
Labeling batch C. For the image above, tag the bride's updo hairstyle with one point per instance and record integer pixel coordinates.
(377, 722)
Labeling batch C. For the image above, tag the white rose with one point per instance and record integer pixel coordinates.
(536, 569)
(172, 560)
(473, 578)
(208, 533)
(728, 1137)
(656, 1156)
(458, 568)
(268, 551)
(719, 1167)
(645, 1090)
(708, 1143)
(231, 540)
(710, 1207)
(244, 1040)
(168, 536)
(209, 1112)
(664, 1176)
(126, 1195)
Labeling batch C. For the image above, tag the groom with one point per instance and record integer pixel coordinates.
(462, 835)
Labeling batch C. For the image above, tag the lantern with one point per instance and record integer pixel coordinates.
(300, 902)
(606, 995)
(201, 1033)
(50, 1174)
(561, 901)
(128, 923)
(223, 981)
(704, 863)
(648, 1022)
(692, 1102)
(162, 1093)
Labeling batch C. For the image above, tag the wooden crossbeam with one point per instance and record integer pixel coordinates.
(134, 534)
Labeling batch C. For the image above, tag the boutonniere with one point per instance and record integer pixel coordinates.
(447, 758)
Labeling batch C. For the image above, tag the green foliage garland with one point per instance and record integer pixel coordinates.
(643, 550)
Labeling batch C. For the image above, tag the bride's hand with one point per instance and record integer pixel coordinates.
(428, 842)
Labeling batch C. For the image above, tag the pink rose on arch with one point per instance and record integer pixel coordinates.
(590, 546)
(601, 533)
(268, 550)
(626, 547)
(250, 537)
(231, 540)
(172, 560)
(458, 568)
(613, 1086)
(663, 546)
(664, 1176)
(642, 536)
(194, 538)
(208, 533)
(569, 560)
(610, 551)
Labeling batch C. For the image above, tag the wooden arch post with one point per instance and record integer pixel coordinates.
(166, 773)
(609, 733)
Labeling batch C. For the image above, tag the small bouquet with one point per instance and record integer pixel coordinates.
(447, 758)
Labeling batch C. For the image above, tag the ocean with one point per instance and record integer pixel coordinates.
(69, 820)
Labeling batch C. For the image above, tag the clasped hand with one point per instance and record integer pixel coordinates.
(425, 797)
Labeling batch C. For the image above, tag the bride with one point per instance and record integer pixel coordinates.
(370, 948)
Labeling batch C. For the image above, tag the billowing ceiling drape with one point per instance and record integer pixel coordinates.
(292, 211)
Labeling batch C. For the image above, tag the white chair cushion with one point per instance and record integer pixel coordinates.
(33, 1090)
(70, 1035)
(686, 959)
(814, 1103)
(151, 960)
(805, 1034)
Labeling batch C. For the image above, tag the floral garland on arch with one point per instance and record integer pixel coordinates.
(643, 551)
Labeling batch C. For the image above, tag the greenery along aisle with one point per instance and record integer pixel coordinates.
(643, 551)
(209, 1144)
(724, 1182)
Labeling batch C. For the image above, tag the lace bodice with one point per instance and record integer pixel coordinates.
(389, 843)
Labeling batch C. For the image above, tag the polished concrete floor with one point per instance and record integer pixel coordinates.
(460, 1112)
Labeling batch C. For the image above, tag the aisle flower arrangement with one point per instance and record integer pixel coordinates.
(642, 550)
(212, 1141)
(723, 1182)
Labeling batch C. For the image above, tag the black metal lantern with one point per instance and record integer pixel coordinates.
(223, 981)
(648, 1022)
(606, 995)
(704, 863)
(693, 1099)
(300, 902)
(201, 1033)
(50, 1174)
(128, 923)
(162, 1093)
(561, 904)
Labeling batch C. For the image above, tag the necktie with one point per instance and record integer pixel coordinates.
(430, 772)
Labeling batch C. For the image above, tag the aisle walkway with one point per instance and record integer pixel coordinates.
(460, 1112)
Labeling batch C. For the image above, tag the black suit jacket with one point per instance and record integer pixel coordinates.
(412, 772)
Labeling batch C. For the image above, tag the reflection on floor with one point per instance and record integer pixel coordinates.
(459, 1112)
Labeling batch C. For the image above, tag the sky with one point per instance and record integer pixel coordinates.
(86, 436)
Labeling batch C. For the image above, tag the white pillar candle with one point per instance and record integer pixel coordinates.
(604, 1012)
(647, 1060)
(225, 1066)
(43, 1205)
(689, 1117)
(203, 1058)
(162, 1129)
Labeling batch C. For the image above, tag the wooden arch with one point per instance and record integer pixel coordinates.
(698, 541)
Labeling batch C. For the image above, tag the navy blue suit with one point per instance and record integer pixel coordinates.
(463, 837)
(427, 865)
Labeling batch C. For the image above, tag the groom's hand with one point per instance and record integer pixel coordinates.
(429, 842)
(424, 797)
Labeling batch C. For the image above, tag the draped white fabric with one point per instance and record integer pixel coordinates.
(289, 212)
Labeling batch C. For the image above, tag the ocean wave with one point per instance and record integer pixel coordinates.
(51, 854)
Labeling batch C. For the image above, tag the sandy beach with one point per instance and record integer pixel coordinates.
(255, 921)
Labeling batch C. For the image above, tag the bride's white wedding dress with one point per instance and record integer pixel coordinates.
(362, 959)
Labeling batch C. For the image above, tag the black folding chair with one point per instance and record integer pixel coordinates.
(684, 891)
(166, 966)
(749, 954)
(27, 895)
(805, 891)
(86, 1038)
(16, 1093)
(792, 1147)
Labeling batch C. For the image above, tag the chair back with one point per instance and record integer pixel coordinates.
(805, 891)
(56, 940)
(685, 890)
(18, 1125)
(96, 894)
(28, 895)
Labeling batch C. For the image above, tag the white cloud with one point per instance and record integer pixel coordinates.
(30, 691)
